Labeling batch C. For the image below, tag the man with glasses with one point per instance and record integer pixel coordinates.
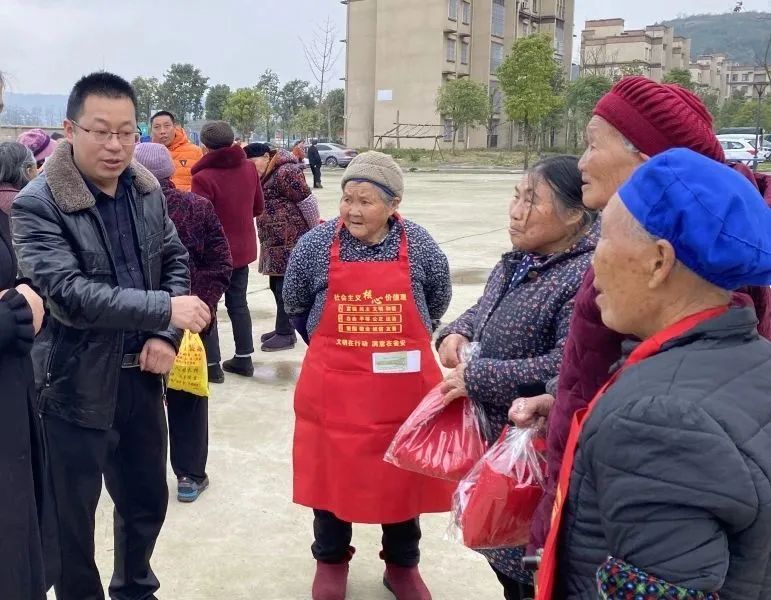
(94, 236)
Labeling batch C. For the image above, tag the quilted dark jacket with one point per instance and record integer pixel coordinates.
(590, 352)
(673, 469)
(61, 243)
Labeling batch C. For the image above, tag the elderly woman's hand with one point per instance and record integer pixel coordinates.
(454, 386)
(531, 412)
(450, 350)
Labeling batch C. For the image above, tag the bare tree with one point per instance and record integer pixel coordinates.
(322, 56)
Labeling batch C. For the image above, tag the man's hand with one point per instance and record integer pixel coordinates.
(190, 312)
(454, 386)
(35, 303)
(450, 350)
(157, 356)
(531, 412)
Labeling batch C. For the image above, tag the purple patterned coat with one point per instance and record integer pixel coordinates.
(521, 322)
(290, 212)
(201, 233)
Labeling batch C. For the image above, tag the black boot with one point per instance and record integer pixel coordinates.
(240, 365)
(215, 374)
(279, 342)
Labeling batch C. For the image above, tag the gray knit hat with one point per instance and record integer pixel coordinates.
(155, 158)
(217, 134)
(376, 168)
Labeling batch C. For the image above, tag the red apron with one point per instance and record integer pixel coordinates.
(547, 572)
(369, 365)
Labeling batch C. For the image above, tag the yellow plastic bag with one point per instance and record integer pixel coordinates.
(189, 373)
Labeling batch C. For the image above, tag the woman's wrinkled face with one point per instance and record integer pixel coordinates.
(606, 163)
(261, 163)
(364, 212)
(535, 223)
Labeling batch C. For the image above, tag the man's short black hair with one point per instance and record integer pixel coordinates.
(163, 113)
(102, 84)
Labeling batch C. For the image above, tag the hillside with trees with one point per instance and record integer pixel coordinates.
(742, 36)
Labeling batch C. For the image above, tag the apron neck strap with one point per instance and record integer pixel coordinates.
(403, 249)
(656, 342)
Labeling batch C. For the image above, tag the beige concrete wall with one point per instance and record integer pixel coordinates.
(360, 73)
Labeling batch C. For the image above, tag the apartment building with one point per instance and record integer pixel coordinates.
(609, 49)
(709, 70)
(400, 52)
(740, 80)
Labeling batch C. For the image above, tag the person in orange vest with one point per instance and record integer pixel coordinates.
(164, 130)
(665, 487)
(363, 289)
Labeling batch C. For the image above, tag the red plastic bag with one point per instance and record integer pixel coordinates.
(494, 504)
(439, 441)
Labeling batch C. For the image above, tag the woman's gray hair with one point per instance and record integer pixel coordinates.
(387, 198)
(629, 145)
(15, 162)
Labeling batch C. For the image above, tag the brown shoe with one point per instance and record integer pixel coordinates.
(330, 582)
(405, 583)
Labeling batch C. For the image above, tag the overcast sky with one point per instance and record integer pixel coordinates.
(45, 45)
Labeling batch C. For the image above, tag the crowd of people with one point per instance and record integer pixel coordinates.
(627, 326)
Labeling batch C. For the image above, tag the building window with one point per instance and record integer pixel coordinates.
(496, 56)
(745, 76)
(496, 98)
(466, 12)
(735, 77)
(464, 47)
(451, 49)
(448, 130)
(499, 18)
(727, 78)
(452, 9)
(535, 6)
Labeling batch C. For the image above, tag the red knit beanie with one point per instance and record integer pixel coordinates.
(656, 117)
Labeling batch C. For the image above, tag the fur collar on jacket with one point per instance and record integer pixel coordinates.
(224, 158)
(69, 190)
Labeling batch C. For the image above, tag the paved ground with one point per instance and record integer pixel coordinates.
(244, 539)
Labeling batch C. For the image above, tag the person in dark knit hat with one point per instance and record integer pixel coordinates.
(636, 120)
(669, 472)
(363, 289)
(230, 182)
(200, 231)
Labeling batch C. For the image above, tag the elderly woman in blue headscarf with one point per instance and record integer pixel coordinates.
(669, 471)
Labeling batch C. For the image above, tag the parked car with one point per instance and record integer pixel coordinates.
(765, 142)
(335, 155)
(741, 150)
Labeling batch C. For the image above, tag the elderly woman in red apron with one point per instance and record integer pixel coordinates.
(363, 290)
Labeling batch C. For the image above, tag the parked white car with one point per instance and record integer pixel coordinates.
(741, 150)
(749, 146)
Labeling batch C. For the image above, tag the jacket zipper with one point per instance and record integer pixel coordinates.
(50, 362)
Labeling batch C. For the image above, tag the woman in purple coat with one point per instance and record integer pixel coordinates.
(211, 265)
(521, 321)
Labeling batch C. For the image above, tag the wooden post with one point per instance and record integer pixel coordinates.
(398, 128)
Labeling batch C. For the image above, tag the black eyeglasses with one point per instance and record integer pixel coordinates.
(102, 136)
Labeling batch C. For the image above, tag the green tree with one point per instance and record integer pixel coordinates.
(295, 94)
(307, 122)
(636, 67)
(270, 86)
(182, 92)
(146, 90)
(216, 100)
(581, 97)
(245, 110)
(710, 98)
(334, 111)
(527, 77)
(729, 112)
(681, 77)
(464, 102)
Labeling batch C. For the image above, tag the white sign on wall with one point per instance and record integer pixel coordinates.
(385, 95)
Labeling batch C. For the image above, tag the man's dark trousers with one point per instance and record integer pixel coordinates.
(132, 457)
(316, 170)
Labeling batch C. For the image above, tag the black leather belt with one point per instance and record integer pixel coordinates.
(130, 361)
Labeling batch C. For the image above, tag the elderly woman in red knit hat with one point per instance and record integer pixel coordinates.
(636, 120)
